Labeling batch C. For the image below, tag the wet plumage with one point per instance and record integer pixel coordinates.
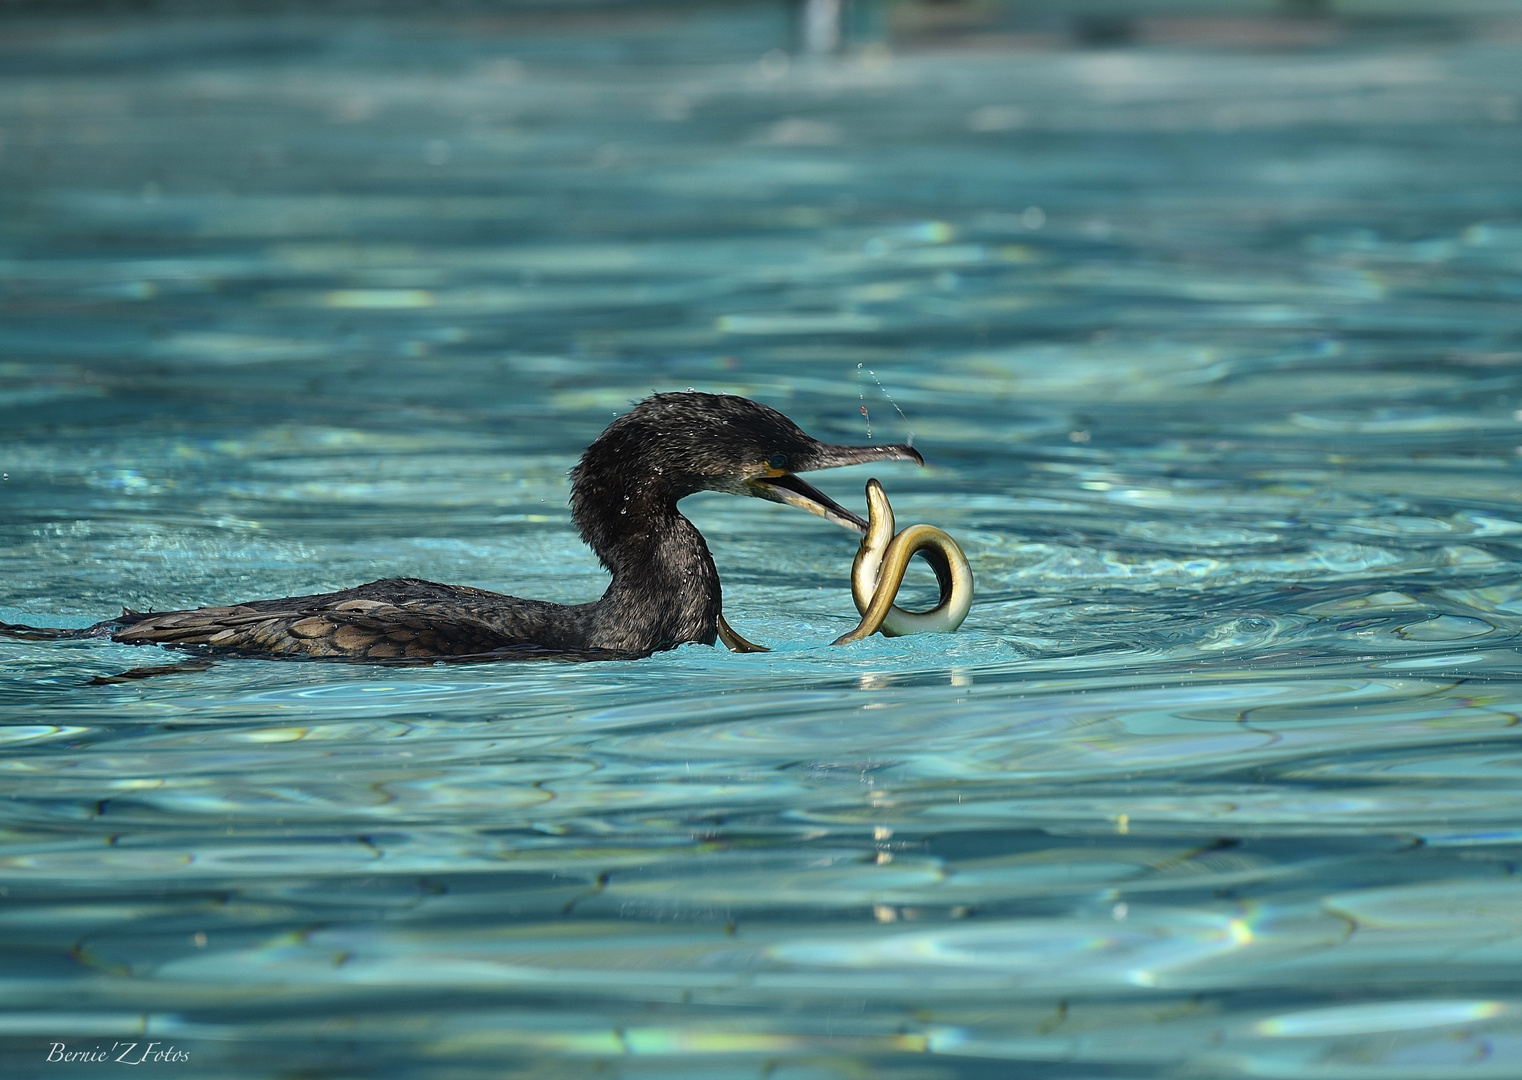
(664, 591)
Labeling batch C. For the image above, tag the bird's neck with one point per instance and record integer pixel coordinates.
(665, 587)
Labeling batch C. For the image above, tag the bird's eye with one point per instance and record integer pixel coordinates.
(777, 461)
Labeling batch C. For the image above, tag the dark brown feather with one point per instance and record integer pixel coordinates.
(665, 588)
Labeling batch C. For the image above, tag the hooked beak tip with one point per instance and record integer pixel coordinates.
(791, 489)
(834, 457)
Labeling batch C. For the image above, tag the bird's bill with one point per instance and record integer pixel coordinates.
(828, 456)
(786, 487)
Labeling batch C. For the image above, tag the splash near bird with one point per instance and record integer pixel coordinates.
(624, 493)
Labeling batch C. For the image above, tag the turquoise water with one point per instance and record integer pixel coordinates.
(1213, 351)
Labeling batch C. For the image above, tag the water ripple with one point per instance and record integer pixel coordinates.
(1209, 340)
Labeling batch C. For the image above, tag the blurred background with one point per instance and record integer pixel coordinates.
(498, 223)
(1205, 316)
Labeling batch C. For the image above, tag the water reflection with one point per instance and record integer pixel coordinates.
(1212, 353)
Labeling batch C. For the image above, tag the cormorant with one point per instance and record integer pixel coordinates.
(624, 495)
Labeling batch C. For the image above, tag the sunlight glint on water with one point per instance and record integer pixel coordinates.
(1213, 353)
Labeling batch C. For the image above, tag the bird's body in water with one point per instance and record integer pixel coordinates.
(624, 494)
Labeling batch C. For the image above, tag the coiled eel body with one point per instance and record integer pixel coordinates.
(879, 568)
(878, 573)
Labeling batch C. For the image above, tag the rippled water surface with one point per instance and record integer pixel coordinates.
(1212, 346)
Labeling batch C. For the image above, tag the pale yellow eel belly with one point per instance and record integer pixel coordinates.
(878, 573)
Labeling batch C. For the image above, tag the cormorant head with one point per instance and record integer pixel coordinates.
(673, 445)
